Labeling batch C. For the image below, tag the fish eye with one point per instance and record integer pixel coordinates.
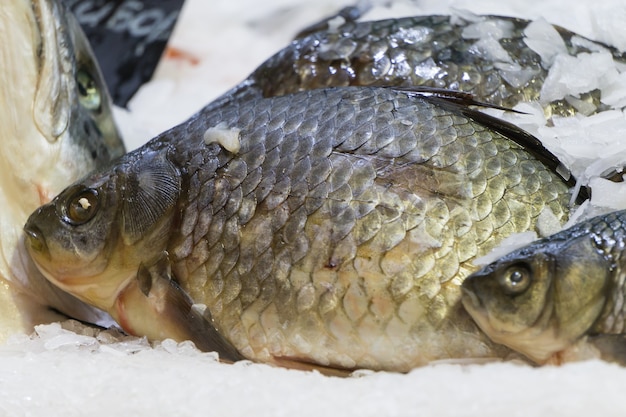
(88, 91)
(515, 279)
(81, 207)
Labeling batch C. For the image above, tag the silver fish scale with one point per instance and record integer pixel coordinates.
(347, 248)
(434, 51)
(608, 233)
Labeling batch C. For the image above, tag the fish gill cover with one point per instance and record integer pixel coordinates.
(128, 38)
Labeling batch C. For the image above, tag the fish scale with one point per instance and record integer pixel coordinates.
(609, 235)
(336, 249)
(491, 57)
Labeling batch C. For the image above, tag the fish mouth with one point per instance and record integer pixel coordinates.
(477, 310)
(35, 239)
(469, 298)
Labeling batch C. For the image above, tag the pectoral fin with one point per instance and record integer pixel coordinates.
(612, 347)
(155, 306)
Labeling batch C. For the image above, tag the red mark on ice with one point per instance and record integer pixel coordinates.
(171, 52)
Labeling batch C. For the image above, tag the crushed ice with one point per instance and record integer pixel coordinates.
(76, 337)
(543, 38)
(165, 386)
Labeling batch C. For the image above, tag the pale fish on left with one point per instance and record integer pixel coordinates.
(56, 125)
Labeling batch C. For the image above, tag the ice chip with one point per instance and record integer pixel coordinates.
(507, 245)
(542, 38)
(614, 91)
(608, 193)
(494, 29)
(515, 75)
(548, 223)
(574, 75)
(608, 23)
(491, 50)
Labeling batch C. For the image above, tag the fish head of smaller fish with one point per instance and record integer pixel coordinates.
(92, 237)
(539, 299)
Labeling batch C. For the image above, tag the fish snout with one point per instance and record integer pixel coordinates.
(34, 238)
(469, 296)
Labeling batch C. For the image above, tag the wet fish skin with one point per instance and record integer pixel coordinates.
(436, 51)
(92, 123)
(553, 298)
(335, 231)
(73, 81)
(56, 126)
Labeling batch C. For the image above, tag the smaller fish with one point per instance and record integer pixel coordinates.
(560, 298)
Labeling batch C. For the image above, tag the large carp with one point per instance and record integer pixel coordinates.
(330, 227)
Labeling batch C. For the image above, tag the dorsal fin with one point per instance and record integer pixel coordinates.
(459, 102)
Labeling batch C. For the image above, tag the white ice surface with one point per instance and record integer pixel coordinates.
(58, 372)
(61, 373)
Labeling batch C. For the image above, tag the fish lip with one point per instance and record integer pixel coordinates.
(35, 238)
(469, 298)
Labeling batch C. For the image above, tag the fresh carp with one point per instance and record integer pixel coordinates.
(559, 298)
(56, 126)
(330, 227)
(499, 60)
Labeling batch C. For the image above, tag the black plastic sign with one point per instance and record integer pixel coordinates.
(128, 38)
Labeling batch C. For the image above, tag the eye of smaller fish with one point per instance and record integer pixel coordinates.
(515, 279)
(89, 93)
(81, 207)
